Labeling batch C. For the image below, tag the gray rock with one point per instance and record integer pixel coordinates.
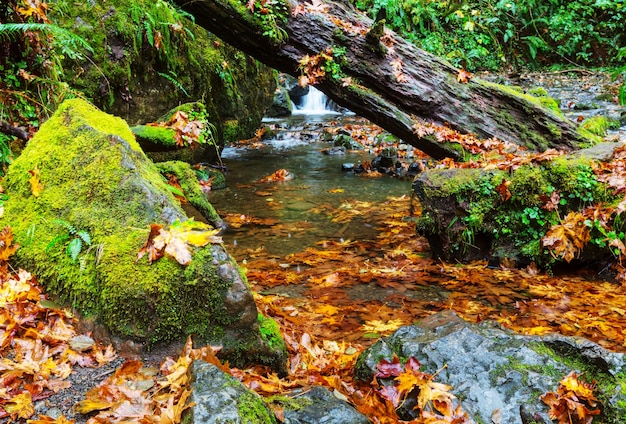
(319, 406)
(220, 398)
(281, 106)
(491, 370)
(345, 140)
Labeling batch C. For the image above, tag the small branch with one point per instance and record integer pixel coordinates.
(9, 129)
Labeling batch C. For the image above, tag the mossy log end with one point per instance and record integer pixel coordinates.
(391, 86)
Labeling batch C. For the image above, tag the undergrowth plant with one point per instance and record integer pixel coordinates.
(73, 239)
(492, 34)
(31, 71)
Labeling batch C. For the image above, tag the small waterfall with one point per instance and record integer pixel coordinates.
(314, 103)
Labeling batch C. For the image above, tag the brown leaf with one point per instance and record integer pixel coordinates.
(154, 252)
(503, 190)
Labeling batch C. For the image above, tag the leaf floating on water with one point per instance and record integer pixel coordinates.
(280, 175)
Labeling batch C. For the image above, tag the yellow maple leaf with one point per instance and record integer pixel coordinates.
(583, 390)
(378, 326)
(35, 184)
(45, 419)
(20, 406)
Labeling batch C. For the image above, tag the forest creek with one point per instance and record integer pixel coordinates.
(333, 258)
(324, 267)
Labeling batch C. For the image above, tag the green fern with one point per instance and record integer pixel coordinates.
(171, 77)
(71, 44)
(77, 238)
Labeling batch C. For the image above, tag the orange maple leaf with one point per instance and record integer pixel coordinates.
(463, 76)
(503, 190)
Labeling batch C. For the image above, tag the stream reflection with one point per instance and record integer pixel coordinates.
(301, 208)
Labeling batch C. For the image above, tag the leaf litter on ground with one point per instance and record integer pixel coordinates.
(330, 322)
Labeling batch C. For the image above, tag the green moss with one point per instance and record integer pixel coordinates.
(252, 410)
(287, 402)
(599, 125)
(232, 131)
(191, 188)
(157, 135)
(152, 302)
(538, 97)
(610, 389)
(465, 206)
(271, 333)
(127, 63)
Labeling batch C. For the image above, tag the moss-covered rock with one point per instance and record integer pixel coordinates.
(219, 398)
(470, 214)
(159, 140)
(149, 57)
(599, 125)
(95, 179)
(193, 194)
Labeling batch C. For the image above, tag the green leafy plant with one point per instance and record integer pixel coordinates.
(31, 73)
(74, 239)
(270, 14)
(491, 34)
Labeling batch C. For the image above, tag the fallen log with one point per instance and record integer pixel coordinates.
(375, 73)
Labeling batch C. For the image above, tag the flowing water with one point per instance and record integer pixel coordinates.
(301, 204)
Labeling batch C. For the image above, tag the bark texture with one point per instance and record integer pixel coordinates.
(394, 83)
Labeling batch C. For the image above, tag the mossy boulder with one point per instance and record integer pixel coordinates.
(490, 214)
(84, 173)
(158, 139)
(149, 57)
(194, 202)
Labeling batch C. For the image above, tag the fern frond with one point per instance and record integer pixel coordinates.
(70, 43)
(84, 236)
(149, 32)
(73, 248)
(174, 81)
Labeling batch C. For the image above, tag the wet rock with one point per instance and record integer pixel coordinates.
(347, 167)
(296, 92)
(220, 398)
(494, 371)
(335, 151)
(347, 141)
(319, 405)
(281, 106)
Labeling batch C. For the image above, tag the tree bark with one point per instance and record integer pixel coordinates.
(9, 129)
(393, 85)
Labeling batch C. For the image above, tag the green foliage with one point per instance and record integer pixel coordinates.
(31, 72)
(6, 155)
(491, 34)
(73, 239)
(270, 14)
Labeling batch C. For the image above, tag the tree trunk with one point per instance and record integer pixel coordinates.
(391, 82)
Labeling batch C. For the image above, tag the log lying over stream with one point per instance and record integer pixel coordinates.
(381, 76)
